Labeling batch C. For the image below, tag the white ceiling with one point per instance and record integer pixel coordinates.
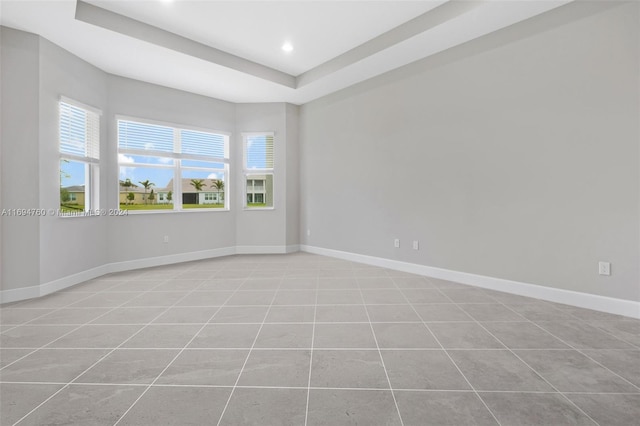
(231, 50)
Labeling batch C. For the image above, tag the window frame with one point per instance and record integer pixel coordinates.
(252, 173)
(177, 166)
(91, 162)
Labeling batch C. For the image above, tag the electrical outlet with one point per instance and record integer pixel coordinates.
(165, 239)
(396, 243)
(604, 268)
(416, 245)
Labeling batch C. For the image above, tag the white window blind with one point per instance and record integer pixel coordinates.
(203, 144)
(144, 137)
(258, 151)
(79, 133)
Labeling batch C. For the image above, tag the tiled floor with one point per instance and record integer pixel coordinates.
(307, 340)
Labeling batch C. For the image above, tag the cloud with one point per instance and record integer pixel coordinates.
(125, 159)
(213, 176)
(165, 160)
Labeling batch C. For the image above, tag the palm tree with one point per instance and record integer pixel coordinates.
(198, 184)
(146, 185)
(219, 186)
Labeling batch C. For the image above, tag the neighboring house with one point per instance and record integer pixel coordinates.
(137, 190)
(208, 195)
(76, 195)
(260, 189)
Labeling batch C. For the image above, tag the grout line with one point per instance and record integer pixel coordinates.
(247, 358)
(373, 333)
(530, 367)
(313, 338)
(101, 358)
(181, 350)
(449, 356)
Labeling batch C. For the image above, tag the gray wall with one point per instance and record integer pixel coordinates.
(513, 156)
(37, 251)
(20, 132)
(141, 235)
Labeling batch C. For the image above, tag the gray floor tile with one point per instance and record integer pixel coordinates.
(285, 336)
(438, 312)
(383, 296)
(298, 284)
(260, 407)
(341, 313)
(240, 314)
(412, 282)
(570, 371)
(221, 284)
(250, 298)
(343, 336)
(626, 363)
(495, 370)
(84, 405)
(214, 367)
(463, 335)
(627, 330)
(187, 315)
(534, 409)
(106, 300)
(443, 409)
(156, 298)
(295, 298)
(423, 370)
(376, 282)
(7, 356)
(17, 316)
(163, 336)
(138, 285)
(96, 336)
(491, 312)
(425, 296)
(51, 365)
(130, 316)
(523, 335)
(179, 406)
(33, 336)
(609, 409)
(71, 316)
(339, 297)
(295, 314)
(583, 336)
(348, 369)
(55, 300)
(540, 311)
(399, 335)
(18, 399)
(129, 366)
(337, 283)
(393, 313)
(226, 336)
(336, 407)
(468, 295)
(261, 284)
(205, 298)
(279, 368)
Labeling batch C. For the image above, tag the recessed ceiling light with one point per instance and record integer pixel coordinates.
(287, 47)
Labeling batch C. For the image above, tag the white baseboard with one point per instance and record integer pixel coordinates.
(264, 249)
(15, 295)
(583, 300)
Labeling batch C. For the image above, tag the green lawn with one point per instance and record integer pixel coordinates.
(71, 208)
(169, 206)
(256, 204)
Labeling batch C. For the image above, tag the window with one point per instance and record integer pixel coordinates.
(258, 169)
(162, 167)
(79, 137)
